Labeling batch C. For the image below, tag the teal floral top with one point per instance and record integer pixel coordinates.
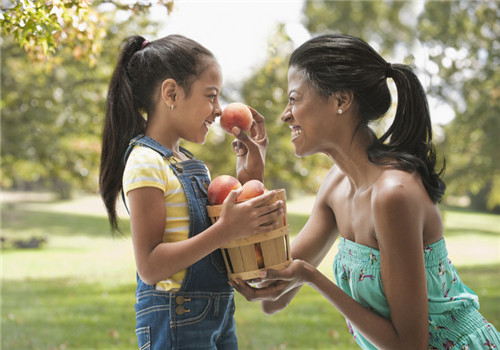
(454, 320)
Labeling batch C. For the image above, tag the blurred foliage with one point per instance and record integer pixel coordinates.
(463, 41)
(386, 25)
(52, 112)
(459, 42)
(44, 27)
(266, 91)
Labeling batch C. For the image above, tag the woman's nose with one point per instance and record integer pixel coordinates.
(286, 115)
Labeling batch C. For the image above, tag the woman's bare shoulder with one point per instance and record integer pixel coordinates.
(398, 191)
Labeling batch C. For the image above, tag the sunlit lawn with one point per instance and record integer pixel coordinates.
(77, 291)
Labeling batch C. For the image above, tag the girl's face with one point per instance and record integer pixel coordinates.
(309, 115)
(198, 111)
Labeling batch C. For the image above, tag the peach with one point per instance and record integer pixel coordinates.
(236, 114)
(259, 255)
(251, 189)
(220, 187)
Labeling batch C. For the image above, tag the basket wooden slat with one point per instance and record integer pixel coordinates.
(260, 237)
(240, 255)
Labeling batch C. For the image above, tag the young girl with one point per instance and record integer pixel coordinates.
(394, 282)
(184, 300)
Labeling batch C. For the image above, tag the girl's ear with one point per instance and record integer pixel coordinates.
(169, 91)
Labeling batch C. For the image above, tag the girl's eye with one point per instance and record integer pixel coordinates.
(212, 97)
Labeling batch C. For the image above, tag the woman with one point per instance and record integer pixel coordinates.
(394, 282)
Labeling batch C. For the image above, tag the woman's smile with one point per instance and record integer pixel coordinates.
(296, 131)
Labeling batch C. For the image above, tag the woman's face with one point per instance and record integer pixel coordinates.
(198, 111)
(310, 116)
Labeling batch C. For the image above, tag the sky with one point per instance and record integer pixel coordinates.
(238, 32)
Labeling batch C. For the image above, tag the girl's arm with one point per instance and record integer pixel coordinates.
(156, 260)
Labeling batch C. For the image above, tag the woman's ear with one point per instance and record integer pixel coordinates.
(169, 90)
(345, 99)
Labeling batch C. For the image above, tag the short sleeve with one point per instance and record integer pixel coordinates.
(144, 168)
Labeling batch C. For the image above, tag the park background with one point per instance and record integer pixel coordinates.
(67, 283)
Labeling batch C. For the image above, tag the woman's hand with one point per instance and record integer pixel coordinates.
(251, 151)
(275, 283)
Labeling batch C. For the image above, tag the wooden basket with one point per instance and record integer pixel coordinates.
(245, 257)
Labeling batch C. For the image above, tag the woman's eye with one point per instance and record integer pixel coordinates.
(291, 99)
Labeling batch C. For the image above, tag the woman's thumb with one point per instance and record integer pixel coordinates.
(269, 274)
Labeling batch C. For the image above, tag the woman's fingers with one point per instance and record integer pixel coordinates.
(258, 129)
(271, 292)
(243, 143)
(258, 137)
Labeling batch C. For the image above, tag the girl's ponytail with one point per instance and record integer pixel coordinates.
(409, 138)
(122, 122)
(141, 68)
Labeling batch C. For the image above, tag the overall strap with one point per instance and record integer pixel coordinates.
(147, 141)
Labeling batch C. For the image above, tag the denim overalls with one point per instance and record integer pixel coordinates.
(200, 314)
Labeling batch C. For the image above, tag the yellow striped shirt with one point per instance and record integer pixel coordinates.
(147, 168)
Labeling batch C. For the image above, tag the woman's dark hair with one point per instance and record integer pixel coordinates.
(141, 68)
(336, 62)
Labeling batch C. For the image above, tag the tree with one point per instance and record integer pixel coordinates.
(461, 39)
(266, 91)
(43, 27)
(387, 25)
(52, 113)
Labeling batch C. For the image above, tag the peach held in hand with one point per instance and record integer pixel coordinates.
(251, 189)
(236, 114)
(220, 187)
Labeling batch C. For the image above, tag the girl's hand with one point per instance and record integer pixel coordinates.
(277, 282)
(239, 220)
(251, 151)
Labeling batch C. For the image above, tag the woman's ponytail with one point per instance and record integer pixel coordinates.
(122, 122)
(338, 62)
(409, 138)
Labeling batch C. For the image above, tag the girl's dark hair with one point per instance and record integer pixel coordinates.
(141, 68)
(336, 62)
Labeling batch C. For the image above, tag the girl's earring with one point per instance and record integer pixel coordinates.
(340, 111)
(172, 107)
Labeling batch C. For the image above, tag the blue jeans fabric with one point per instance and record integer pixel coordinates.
(200, 315)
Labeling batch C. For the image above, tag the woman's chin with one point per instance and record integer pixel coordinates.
(299, 153)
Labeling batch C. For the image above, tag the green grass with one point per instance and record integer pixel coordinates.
(77, 290)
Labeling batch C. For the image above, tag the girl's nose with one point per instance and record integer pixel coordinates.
(217, 110)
